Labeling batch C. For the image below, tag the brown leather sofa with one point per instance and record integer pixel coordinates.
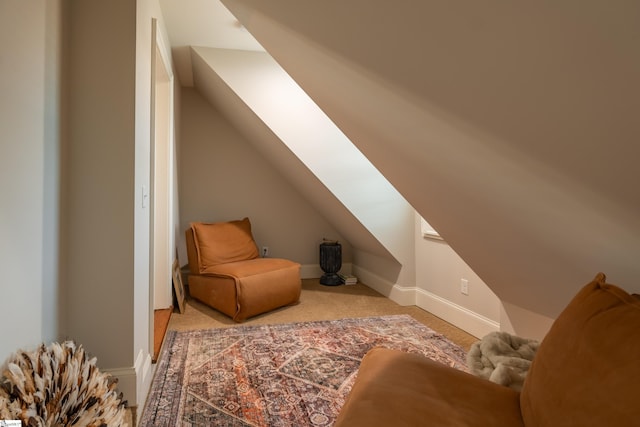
(226, 272)
(586, 372)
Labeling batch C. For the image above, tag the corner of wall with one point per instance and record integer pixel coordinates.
(134, 382)
(522, 322)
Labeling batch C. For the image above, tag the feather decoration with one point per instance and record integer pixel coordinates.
(58, 385)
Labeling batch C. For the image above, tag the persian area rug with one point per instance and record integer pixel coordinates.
(295, 374)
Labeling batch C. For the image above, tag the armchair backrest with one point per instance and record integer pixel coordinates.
(211, 244)
(587, 369)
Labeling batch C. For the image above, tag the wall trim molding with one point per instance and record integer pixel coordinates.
(373, 281)
(403, 295)
(465, 319)
(134, 382)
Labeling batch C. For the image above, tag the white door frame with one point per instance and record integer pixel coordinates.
(162, 182)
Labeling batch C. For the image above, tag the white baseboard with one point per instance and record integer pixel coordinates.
(134, 382)
(373, 281)
(402, 295)
(145, 377)
(465, 319)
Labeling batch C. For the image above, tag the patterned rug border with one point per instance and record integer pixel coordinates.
(166, 393)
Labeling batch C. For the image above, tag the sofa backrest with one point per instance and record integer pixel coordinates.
(587, 369)
(210, 244)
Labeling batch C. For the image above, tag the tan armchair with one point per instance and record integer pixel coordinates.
(227, 273)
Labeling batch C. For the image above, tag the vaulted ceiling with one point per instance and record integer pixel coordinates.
(512, 128)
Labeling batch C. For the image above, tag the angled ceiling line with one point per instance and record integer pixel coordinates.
(282, 105)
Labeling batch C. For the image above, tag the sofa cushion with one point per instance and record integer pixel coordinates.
(223, 242)
(586, 371)
(394, 388)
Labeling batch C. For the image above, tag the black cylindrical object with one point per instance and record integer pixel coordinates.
(330, 262)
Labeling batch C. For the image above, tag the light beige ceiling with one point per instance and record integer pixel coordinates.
(205, 23)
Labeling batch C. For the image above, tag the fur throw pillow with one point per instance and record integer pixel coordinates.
(58, 386)
(502, 358)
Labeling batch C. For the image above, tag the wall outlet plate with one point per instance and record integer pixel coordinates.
(464, 286)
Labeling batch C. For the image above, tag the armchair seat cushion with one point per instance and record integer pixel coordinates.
(245, 289)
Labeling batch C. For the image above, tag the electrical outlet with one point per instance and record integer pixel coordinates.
(265, 251)
(464, 286)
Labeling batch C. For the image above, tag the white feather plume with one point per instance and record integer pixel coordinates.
(58, 385)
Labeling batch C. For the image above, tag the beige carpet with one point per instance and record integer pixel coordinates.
(317, 302)
(320, 302)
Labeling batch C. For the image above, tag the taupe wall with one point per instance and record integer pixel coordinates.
(27, 318)
(222, 177)
(511, 129)
(99, 220)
